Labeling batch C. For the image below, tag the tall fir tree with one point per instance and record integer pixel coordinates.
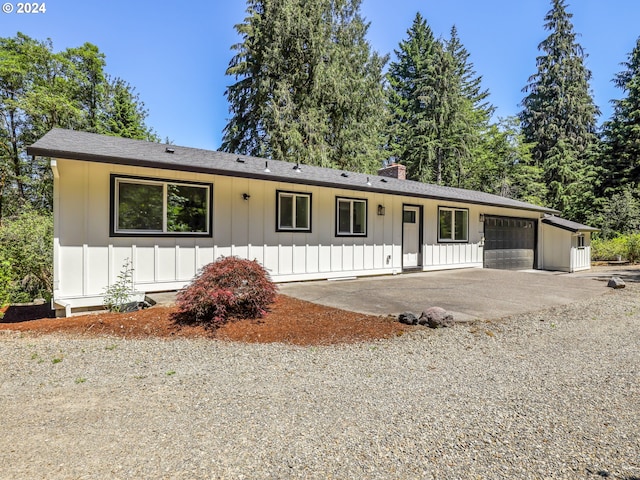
(438, 107)
(479, 109)
(308, 86)
(559, 117)
(620, 159)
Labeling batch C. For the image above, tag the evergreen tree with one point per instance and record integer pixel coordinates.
(620, 158)
(559, 116)
(124, 113)
(308, 87)
(411, 141)
(439, 109)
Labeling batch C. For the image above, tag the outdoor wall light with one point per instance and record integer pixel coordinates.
(381, 210)
(246, 196)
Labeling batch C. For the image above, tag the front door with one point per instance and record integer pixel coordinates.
(410, 237)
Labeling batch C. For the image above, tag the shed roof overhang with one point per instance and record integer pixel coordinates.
(568, 225)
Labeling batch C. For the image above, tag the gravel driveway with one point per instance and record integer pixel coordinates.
(555, 394)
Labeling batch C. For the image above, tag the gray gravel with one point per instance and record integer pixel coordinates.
(555, 394)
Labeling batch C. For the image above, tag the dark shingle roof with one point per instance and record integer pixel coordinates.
(73, 145)
(574, 227)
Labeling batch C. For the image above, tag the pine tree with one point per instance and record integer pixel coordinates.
(308, 87)
(620, 158)
(559, 116)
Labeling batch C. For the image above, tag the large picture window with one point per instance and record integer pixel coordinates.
(351, 217)
(453, 225)
(293, 211)
(158, 207)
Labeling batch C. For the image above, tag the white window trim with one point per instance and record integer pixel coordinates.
(453, 230)
(164, 183)
(351, 202)
(294, 196)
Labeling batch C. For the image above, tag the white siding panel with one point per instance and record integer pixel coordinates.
(324, 254)
(186, 264)
(313, 258)
(71, 274)
(285, 259)
(166, 258)
(97, 269)
(336, 258)
(145, 265)
(299, 260)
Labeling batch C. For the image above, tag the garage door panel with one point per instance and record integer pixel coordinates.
(510, 243)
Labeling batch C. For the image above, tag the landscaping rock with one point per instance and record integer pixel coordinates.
(408, 318)
(436, 317)
(616, 282)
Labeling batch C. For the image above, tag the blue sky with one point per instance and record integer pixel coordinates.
(175, 53)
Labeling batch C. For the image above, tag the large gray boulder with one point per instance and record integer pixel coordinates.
(616, 282)
(436, 317)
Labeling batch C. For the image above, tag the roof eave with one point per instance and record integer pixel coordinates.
(54, 153)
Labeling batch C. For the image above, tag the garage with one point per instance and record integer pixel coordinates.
(509, 243)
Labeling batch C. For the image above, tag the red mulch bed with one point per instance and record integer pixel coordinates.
(289, 321)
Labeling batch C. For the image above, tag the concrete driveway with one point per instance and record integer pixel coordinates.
(467, 293)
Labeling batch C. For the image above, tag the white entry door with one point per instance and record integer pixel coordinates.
(410, 237)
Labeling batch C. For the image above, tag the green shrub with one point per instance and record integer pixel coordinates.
(27, 244)
(228, 288)
(624, 247)
(608, 250)
(633, 247)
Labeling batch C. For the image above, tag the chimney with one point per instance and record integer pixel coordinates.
(395, 170)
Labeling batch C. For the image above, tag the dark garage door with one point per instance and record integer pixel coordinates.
(509, 243)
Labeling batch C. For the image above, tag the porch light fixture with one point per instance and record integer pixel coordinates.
(381, 210)
(246, 196)
(266, 167)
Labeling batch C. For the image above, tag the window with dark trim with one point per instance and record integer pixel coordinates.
(144, 206)
(293, 211)
(351, 217)
(453, 224)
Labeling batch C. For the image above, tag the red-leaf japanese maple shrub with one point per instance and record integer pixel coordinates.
(229, 288)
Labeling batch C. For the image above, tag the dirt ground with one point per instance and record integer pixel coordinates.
(289, 321)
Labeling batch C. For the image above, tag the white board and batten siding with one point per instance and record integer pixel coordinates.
(87, 259)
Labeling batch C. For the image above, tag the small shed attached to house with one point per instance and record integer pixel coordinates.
(566, 245)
